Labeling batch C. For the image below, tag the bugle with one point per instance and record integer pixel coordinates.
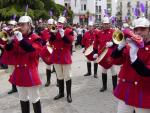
(5, 34)
(119, 36)
(53, 29)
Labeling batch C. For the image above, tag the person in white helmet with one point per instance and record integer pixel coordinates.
(87, 41)
(61, 57)
(11, 25)
(103, 37)
(45, 35)
(23, 52)
(134, 77)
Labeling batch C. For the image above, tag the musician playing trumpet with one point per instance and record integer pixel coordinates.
(23, 52)
(134, 77)
(61, 57)
(12, 24)
(48, 32)
(100, 42)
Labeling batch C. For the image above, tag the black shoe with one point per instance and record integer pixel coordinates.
(61, 90)
(47, 83)
(12, 91)
(48, 77)
(87, 74)
(114, 81)
(69, 99)
(103, 89)
(95, 70)
(104, 81)
(59, 96)
(68, 89)
(95, 76)
(89, 69)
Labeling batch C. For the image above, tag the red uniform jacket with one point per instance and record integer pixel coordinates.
(133, 88)
(102, 37)
(62, 47)
(25, 61)
(100, 41)
(45, 34)
(88, 38)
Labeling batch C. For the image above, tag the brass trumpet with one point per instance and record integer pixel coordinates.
(5, 35)
(53, 29)
(119, 36)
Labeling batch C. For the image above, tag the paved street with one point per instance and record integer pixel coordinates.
(85, 92)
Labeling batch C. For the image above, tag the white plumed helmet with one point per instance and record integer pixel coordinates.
(106, 20)
(141, 22)
(62, 20)
(50, 21)
(25, 19)
(12, 22)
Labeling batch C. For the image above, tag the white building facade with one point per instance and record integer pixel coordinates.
(89, 10)
(126, 8)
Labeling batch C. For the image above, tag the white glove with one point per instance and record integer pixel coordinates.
(109, 44)
(47, 43)
(95, 55)
(83, 50)
(133, 50)
(18, 35)
(122, 45)
(61, 31)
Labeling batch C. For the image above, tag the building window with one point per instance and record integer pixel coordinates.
(75, 3)
(129, 4)
(84, 7)
(81, 7)
(66, 5)
(97, 9)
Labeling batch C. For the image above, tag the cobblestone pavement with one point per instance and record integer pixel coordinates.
(85, 92)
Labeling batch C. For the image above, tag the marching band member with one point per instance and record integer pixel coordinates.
(23, 53)
(45, 35)
(87, 40)
(104, 36)
(61, 57)
(11, 25)
(134, 77)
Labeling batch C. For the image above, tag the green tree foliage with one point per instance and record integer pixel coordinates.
(37, 9)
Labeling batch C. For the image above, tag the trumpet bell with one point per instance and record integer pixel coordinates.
(53, 29)
(4, 36)
(118, 37)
